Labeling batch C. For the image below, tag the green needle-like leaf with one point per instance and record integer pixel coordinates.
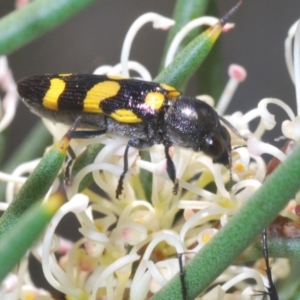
(184, 12)
(210, 77)
(277, 247)
(22, 26)
(240, 231)
(25, 232)
(190, 58)
(36, 186)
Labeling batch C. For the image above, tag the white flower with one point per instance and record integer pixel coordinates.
(129, 246)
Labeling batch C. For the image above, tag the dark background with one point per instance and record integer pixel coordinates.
(95, 36)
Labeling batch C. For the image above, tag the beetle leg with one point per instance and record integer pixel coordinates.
(67, 175)
(135, 143)
(171, 170)
(77, 135)
(87, 134)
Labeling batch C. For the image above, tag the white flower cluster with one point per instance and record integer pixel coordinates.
(130, 247)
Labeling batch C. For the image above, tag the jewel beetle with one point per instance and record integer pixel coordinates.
(148, 113)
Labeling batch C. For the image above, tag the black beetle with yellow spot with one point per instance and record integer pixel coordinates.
(147, 113)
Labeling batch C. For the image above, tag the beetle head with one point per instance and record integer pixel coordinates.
(192, 123)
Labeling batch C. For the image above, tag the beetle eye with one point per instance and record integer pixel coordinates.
(216, 147)
(209, 141)
(212, 146)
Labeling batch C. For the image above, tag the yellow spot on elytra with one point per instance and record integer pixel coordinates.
(57, 86)
(167, 87)
(98, 93)
(206, 238)
(65, 74)
(239, 167)
(155, 100)
(125, 116)
(172, 92)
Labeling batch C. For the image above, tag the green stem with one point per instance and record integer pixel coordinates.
(277, 247)
(184, 12)
(240, 231)
(210, 79)
(25, 232)
(190, 58)
(23, 25)
(35, 187)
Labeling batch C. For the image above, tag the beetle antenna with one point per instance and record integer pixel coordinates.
(225, 19)
(239, 146)
(232, 128)
(181, 273)
(272, 292)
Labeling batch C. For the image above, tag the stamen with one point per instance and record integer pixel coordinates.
(207, 99)
(140, 212)
(133, 233)
(21, 3)
(3, 206)
(20, 170)
(9, 105)
(159, 22)
(13, 178)
(249, 274)
(117, 70)
(93, 235)
(158, 274)
(200, 217)
(8, 285)
(11, 99)
(291, 129)
(133, 66)
(49, 263)
(104, 274)
(288, 53)
(156, 169)
(209, 21)
(249, 116)
(232, 128)
(237, 74)
(103, 70)
(268, 118)
(250, 184)
(257, 147)
(206, 235)
(183, 32)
